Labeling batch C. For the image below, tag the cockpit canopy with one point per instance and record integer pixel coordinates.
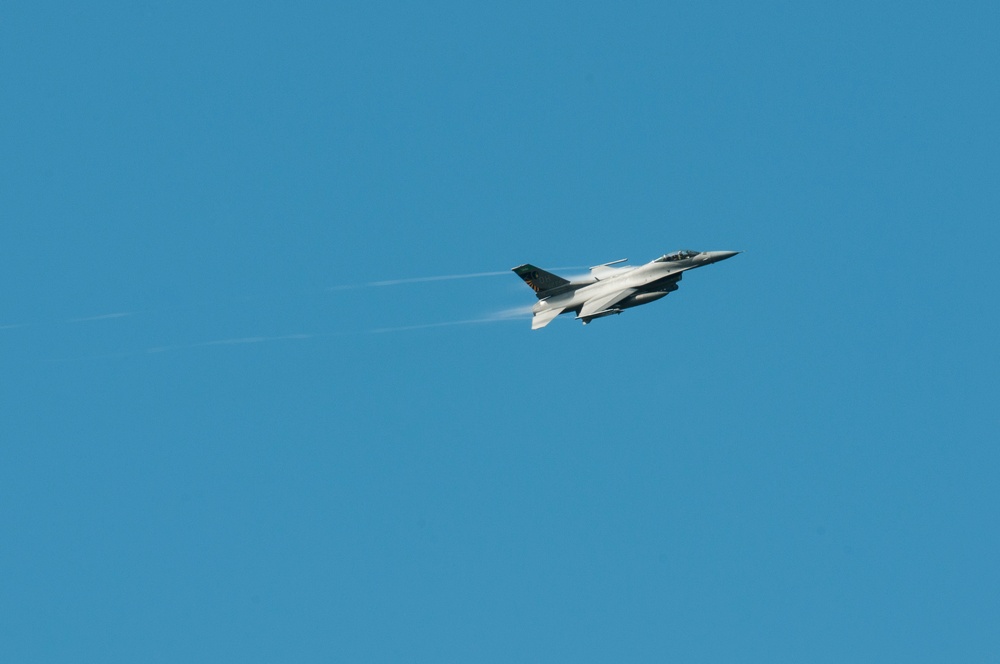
(677, 256)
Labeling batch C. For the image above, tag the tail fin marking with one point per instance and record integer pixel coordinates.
(538, 279)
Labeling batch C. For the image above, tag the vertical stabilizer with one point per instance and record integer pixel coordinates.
(538, 279)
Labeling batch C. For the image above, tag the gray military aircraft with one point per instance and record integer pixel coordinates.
(610, 290)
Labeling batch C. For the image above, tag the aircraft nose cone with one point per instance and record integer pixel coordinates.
(716, 256)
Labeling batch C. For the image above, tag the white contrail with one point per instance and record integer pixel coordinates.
(416, 280)
(179, 347)
(101, 317)
(515, 312)
(498, 317)
(404, 328)
(83, 319)
(442, 277)
(230, 342)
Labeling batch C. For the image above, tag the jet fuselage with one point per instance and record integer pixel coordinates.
(609, 290)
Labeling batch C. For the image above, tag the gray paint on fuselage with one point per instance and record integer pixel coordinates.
(635, 285)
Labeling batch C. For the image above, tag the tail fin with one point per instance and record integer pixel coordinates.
(538, 279)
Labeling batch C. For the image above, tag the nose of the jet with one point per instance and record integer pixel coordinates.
(716, 256)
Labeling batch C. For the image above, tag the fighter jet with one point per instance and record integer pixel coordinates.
(610, 290)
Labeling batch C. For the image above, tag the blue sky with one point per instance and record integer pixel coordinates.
(220, 441)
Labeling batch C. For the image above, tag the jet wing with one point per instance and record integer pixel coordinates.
(543, 318)
(601, 305)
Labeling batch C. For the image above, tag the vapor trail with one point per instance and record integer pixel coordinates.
(444, 277)
(82, 319)
(86, 319)
(231, 342)
(236, 341)
(441, 277)
(498, 317)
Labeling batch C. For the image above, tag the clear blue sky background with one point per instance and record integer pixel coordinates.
(210, 450)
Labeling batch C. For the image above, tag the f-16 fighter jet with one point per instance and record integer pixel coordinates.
(610, 290)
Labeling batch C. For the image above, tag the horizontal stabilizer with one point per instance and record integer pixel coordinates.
(544, 317)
